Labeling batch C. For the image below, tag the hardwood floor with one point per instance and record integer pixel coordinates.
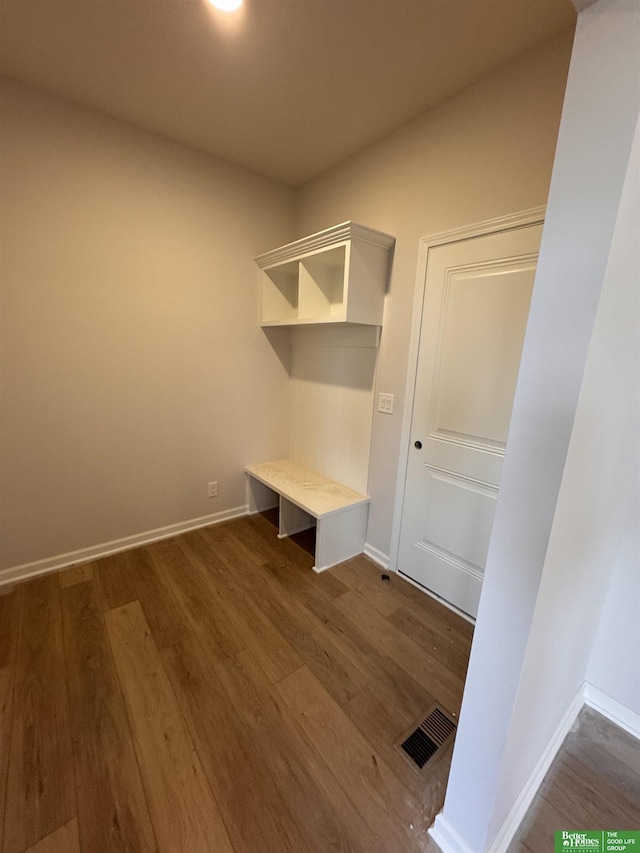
(593, 783)
(40, 794)
(211, 693)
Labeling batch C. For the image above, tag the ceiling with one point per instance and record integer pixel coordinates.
(284, 87)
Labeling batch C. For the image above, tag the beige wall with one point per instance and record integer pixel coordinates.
(133, 368)
(483, 154)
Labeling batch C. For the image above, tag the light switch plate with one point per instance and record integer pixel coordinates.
(385, 403)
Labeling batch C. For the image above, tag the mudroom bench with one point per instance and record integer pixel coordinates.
(308, 499)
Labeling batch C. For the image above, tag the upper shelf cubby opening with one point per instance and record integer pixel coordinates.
(335, 276)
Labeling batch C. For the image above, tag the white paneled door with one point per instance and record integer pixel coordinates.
(475, 308)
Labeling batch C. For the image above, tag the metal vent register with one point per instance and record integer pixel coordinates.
(423, 744)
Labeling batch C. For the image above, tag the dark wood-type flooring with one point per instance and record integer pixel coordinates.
(593, 783)
(211, 693)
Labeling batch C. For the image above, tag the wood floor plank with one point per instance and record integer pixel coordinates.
(298, 585)
(198, 602)
(184, 813)
(449, 648)
(591, 784)
(324, 816)
(436, 610)
(75, 574)
(166, 618)
(413, 611)
(246, 544)
(63, 840)
(9, 625)
(255, 533)
(330, 586)
(308, 637)
(112, 807)
(273, 653)
(112, 580)
(381, 726)
(446, 687)
(40, 786)
(536, 833)
(429, 613)
(6, 708)
(579, 795)
(615, 773)
(398, 688)
(277, 554)
(254, 812)
(395, 686)
(381, 799)
(300, 561)
(606, 748)
(295, 758)
(361, 575)
(313, 642)
(9, 622)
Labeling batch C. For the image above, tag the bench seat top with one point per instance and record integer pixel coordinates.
(311, 491)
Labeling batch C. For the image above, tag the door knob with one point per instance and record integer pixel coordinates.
(418, 445)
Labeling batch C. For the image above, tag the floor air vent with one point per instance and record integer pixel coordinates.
(422, 745)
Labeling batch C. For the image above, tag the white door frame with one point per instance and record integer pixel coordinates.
(534, 216)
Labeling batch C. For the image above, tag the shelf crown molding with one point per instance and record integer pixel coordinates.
(329, 237)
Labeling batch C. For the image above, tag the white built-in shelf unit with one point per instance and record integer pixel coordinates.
(334, 280)
(335, 276)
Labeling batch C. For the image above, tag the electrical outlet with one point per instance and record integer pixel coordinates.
(385, 403)
(212, 490)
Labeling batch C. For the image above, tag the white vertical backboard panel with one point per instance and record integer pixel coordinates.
(315, 401)
(358, 375)
(331, 409)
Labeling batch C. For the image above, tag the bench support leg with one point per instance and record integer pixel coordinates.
(340, 536)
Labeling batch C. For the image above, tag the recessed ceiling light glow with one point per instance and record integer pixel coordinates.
(226, 5)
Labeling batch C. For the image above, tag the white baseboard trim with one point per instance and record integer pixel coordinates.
(530, 788)
(376, 555)
(446, 837)
(84, 555)
(613, 710)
